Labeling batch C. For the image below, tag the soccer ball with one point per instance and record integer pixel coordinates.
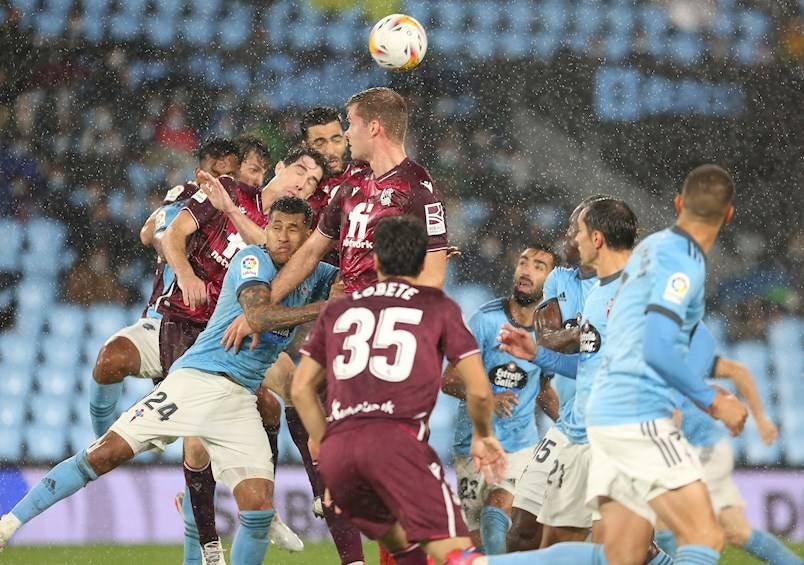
(398, 42)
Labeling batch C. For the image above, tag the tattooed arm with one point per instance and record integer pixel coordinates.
(262, 316)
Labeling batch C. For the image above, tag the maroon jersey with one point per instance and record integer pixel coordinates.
(383, 350)
(211, 247)
(362, 200)
(180, 192)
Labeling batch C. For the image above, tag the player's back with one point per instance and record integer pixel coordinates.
(506, 373)
(383, 349)
(664, 274)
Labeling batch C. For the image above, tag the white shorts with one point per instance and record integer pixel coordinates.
(473, 489)
(529, 495)
(565, 496)
(144, 334)
(635, 463)
(223, 414)
(717, 463)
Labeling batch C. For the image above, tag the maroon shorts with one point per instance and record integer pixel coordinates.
(380, 474)
(175, 338)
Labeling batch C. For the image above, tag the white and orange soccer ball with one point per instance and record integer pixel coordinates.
(398, 42)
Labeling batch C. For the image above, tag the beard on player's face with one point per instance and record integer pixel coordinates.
(526, 292)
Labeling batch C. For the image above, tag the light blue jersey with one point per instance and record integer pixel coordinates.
(594, 342)
(506, 373)
(251, 266)
(569, 287)
(700, 429)
(665, 274)
(164, 217)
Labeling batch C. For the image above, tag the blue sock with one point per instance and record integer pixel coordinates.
(103, 405)
(766, 547)
(666, 540)
(251, 539)
(61, 481)
(494, 524)
(661, 558)
(192, 546)
(696, 555)
(571, 552)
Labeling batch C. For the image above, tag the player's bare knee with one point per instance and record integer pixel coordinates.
(625, 553)
(117, 359)
(709, 535)
(195, 454)
(269, 407)
(254, 494)
(108, 452)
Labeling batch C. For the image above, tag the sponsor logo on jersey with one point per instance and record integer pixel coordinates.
(385, 196)
(677, 287)
(509, 375)
(589, 339)
(338, 413)
(358, 226)
(249, 266)
(434, 218)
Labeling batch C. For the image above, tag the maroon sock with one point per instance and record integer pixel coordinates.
(299, 436)
(346, 537)
(414, 555)
(201, 485)
(273, 438)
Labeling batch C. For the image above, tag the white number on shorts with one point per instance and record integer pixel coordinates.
(386, 336)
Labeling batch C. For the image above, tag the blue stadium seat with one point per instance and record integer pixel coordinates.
(160, 29)
(173, 453)
(50, 410)
(61, 351)
(104, 320)
(756, 452)
(793, 448)
(45, 236)
(18, 350)
(12, 412)
(66, 320)
(12, 243)
(234, 28)
(56, 380)
(11, 445)
(80, 404)
(92, 345)
(45, 443)
(80, 437)
(126, 23)
(16, 381)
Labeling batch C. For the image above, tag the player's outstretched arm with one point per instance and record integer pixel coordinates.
(174, 248)
(742, 379)
(264, 316)
(685, 375)
(551, 331)
(220, 199)
(434, 272)
(300, 265)
(306, 379)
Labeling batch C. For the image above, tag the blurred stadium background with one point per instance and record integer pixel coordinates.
(520, 109)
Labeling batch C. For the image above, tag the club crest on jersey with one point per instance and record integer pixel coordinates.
(385, 196)
(434, 217)
(249, 266)
(137, 414)
(677, 287)
(589, 339)
(509, 375)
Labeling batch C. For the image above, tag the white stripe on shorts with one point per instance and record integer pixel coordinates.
(450, 510)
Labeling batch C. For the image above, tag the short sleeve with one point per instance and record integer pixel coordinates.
(315, 346)
(325, 277)
(676, 281)
(200, 208)
(329, 222)
(166, 215)
(425, 203)
(458, 340)
(251, 266)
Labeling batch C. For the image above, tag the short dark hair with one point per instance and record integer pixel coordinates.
(248, 143)
(292, 205)
(298, 151)
(545, 248)
(217, 147)
(615, 220)
(319, 116)
(708, 192)
(400, 244)
(384, 105)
